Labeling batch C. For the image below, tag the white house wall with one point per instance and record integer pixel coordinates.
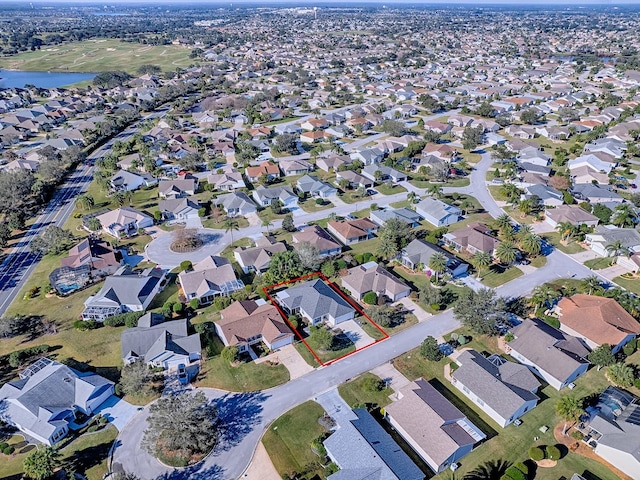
(556, 383)
(621, 460)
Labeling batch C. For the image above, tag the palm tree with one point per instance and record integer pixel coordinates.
(437, 263)
(466, 205)
(623, 216)
(591, 284)
(569, 408)
(503, 221)
(507, 252)
(85, 201)
(525, 207)
(544, 295)
(412, 197)
(531, 244)
(490, 470)
(268, 224)
(230, 224)
(94, 224)
(621, 374)
(616, 248)
(482, 260)
(566, 230)
(434, 190)
(120, 198)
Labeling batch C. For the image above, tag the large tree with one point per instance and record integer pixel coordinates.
(53, 240)
(184, 424)
(569, 408)
(602, 356)
(394, 235)
(41, 463)
(430, 350)
(480, 311)
(283, 266)
(137, 379)
(309, 256)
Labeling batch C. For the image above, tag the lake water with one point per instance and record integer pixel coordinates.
(18, 79)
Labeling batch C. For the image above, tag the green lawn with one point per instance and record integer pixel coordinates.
(631, 284)
(343, 347)
(288, 440)
(598, 263)
(310, 205)
(539, 261)
(501, 441)
(554, 239)
(99, 55)
(390, 189)
(355, 393)
(498, 275)
(246, 377)
(373, 332)
(496, 193)
(219, 222)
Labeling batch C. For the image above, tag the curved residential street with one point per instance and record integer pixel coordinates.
(245, 416)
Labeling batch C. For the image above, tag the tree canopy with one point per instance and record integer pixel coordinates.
(480, 311)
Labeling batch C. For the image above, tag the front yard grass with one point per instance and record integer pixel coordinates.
(246, 377)
(218, 223)
(288, 440)
(390, 189)
(539, 261)
(344, 347)
(498, 275)
(355, 392)
(598, 263)
(310, 205)
(631, 284)
(373, 332)
(554, 239)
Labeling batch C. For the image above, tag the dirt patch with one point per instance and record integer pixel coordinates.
(547, 463)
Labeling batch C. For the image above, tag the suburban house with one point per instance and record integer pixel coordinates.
(333, 162)
(418, 253)
(248, 322)
(503, 390)
(235, 204)
(613, 428)
(314, 136)
(124, 221)
(295, 167)
(629, 238)
(319, 238)
(595, 193)
(47, 398)
(87, 261)
(227, 181)
(270, 170)
(178, 208)
(266, 196)
(258, 258)
(557, 358)
(124, 291)
(209, 278)
(438, 213)
(597, 320)
(352, 231)
(371, 277)
(437, 431)
(473, 239)
(384, 173)
(545, 195)
(178, 188)
(410, 217)
(317, 302)
(355, 179)
(362, 449)
(159, 343)
(368, 156)
(124, 181)
(570, 213)
(316, 188)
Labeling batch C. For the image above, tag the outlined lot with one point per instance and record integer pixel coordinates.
(363, 316)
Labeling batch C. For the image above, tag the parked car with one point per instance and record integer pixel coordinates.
(371, 192)
(633, 185)
(182, 374)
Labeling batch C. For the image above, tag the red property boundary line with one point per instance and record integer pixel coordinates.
(336, 289)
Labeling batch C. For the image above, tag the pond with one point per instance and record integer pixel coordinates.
(18, 78)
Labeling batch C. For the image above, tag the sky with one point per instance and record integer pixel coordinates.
(347, 2)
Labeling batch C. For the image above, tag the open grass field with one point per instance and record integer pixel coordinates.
(100, 55)
(246, 377)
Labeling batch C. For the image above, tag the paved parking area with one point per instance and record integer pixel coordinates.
(117, 411)
(413, 307)
(290, 358)
(261, 467)
(392, 376)
(356, 333)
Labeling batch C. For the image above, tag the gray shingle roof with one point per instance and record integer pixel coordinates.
(316, 299)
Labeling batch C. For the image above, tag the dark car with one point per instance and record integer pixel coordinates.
(371, 192)
(182, 374)
(633, 185)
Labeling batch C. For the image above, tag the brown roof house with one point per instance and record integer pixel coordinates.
(474, 238)
(597, 320)
(257, 259)
(209, 278)
(271, 170)
(248, 322)
(438, 432)
(319, 238)
(371, 277)
(352, 231)
(569, 213)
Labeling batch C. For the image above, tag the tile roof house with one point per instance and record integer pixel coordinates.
(503, 390)
(371, 277)
(333, 162)
(352, 231)
(314, 187)
(319, 238)
(248, 322)
(597, 320)
(258, 258)
(474, 238)
(159, 343)
(438, 432)
(235, 204)
(177, 188)
(209, 278)
(124, 291)
(438, 213)
(417, 254)
(47, 398)
(603, 236)
(570, 213)
(552, 355)
(295, 167)
(317, 302)
(266, 196)
(124, 221)
(271, 170)
(614, 429)
(363, 450)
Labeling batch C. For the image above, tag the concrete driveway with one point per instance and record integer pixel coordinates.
(117, 411)
(290, 358)
(413, 307)
(356, 333)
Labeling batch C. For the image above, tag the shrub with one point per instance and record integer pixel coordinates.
(3, 445)
(371, 384)
(629, 348)
(130, 319)
(435, 307)
(194, 303)
(536, 454)
(318, 446)
(177, 308)
(229, 354)
(92, 428)
(118, 390)
(186, 265)
(463, 340)
(19, 357)
(522, 467)
(328, 268)
(204, 327)
(509, 337)
(341, 264)
(514, 474)
(221, 302)
(83, 325)
(577, 435)
(8, 450)
(319, 201)
(552, 452)
(370, 298)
